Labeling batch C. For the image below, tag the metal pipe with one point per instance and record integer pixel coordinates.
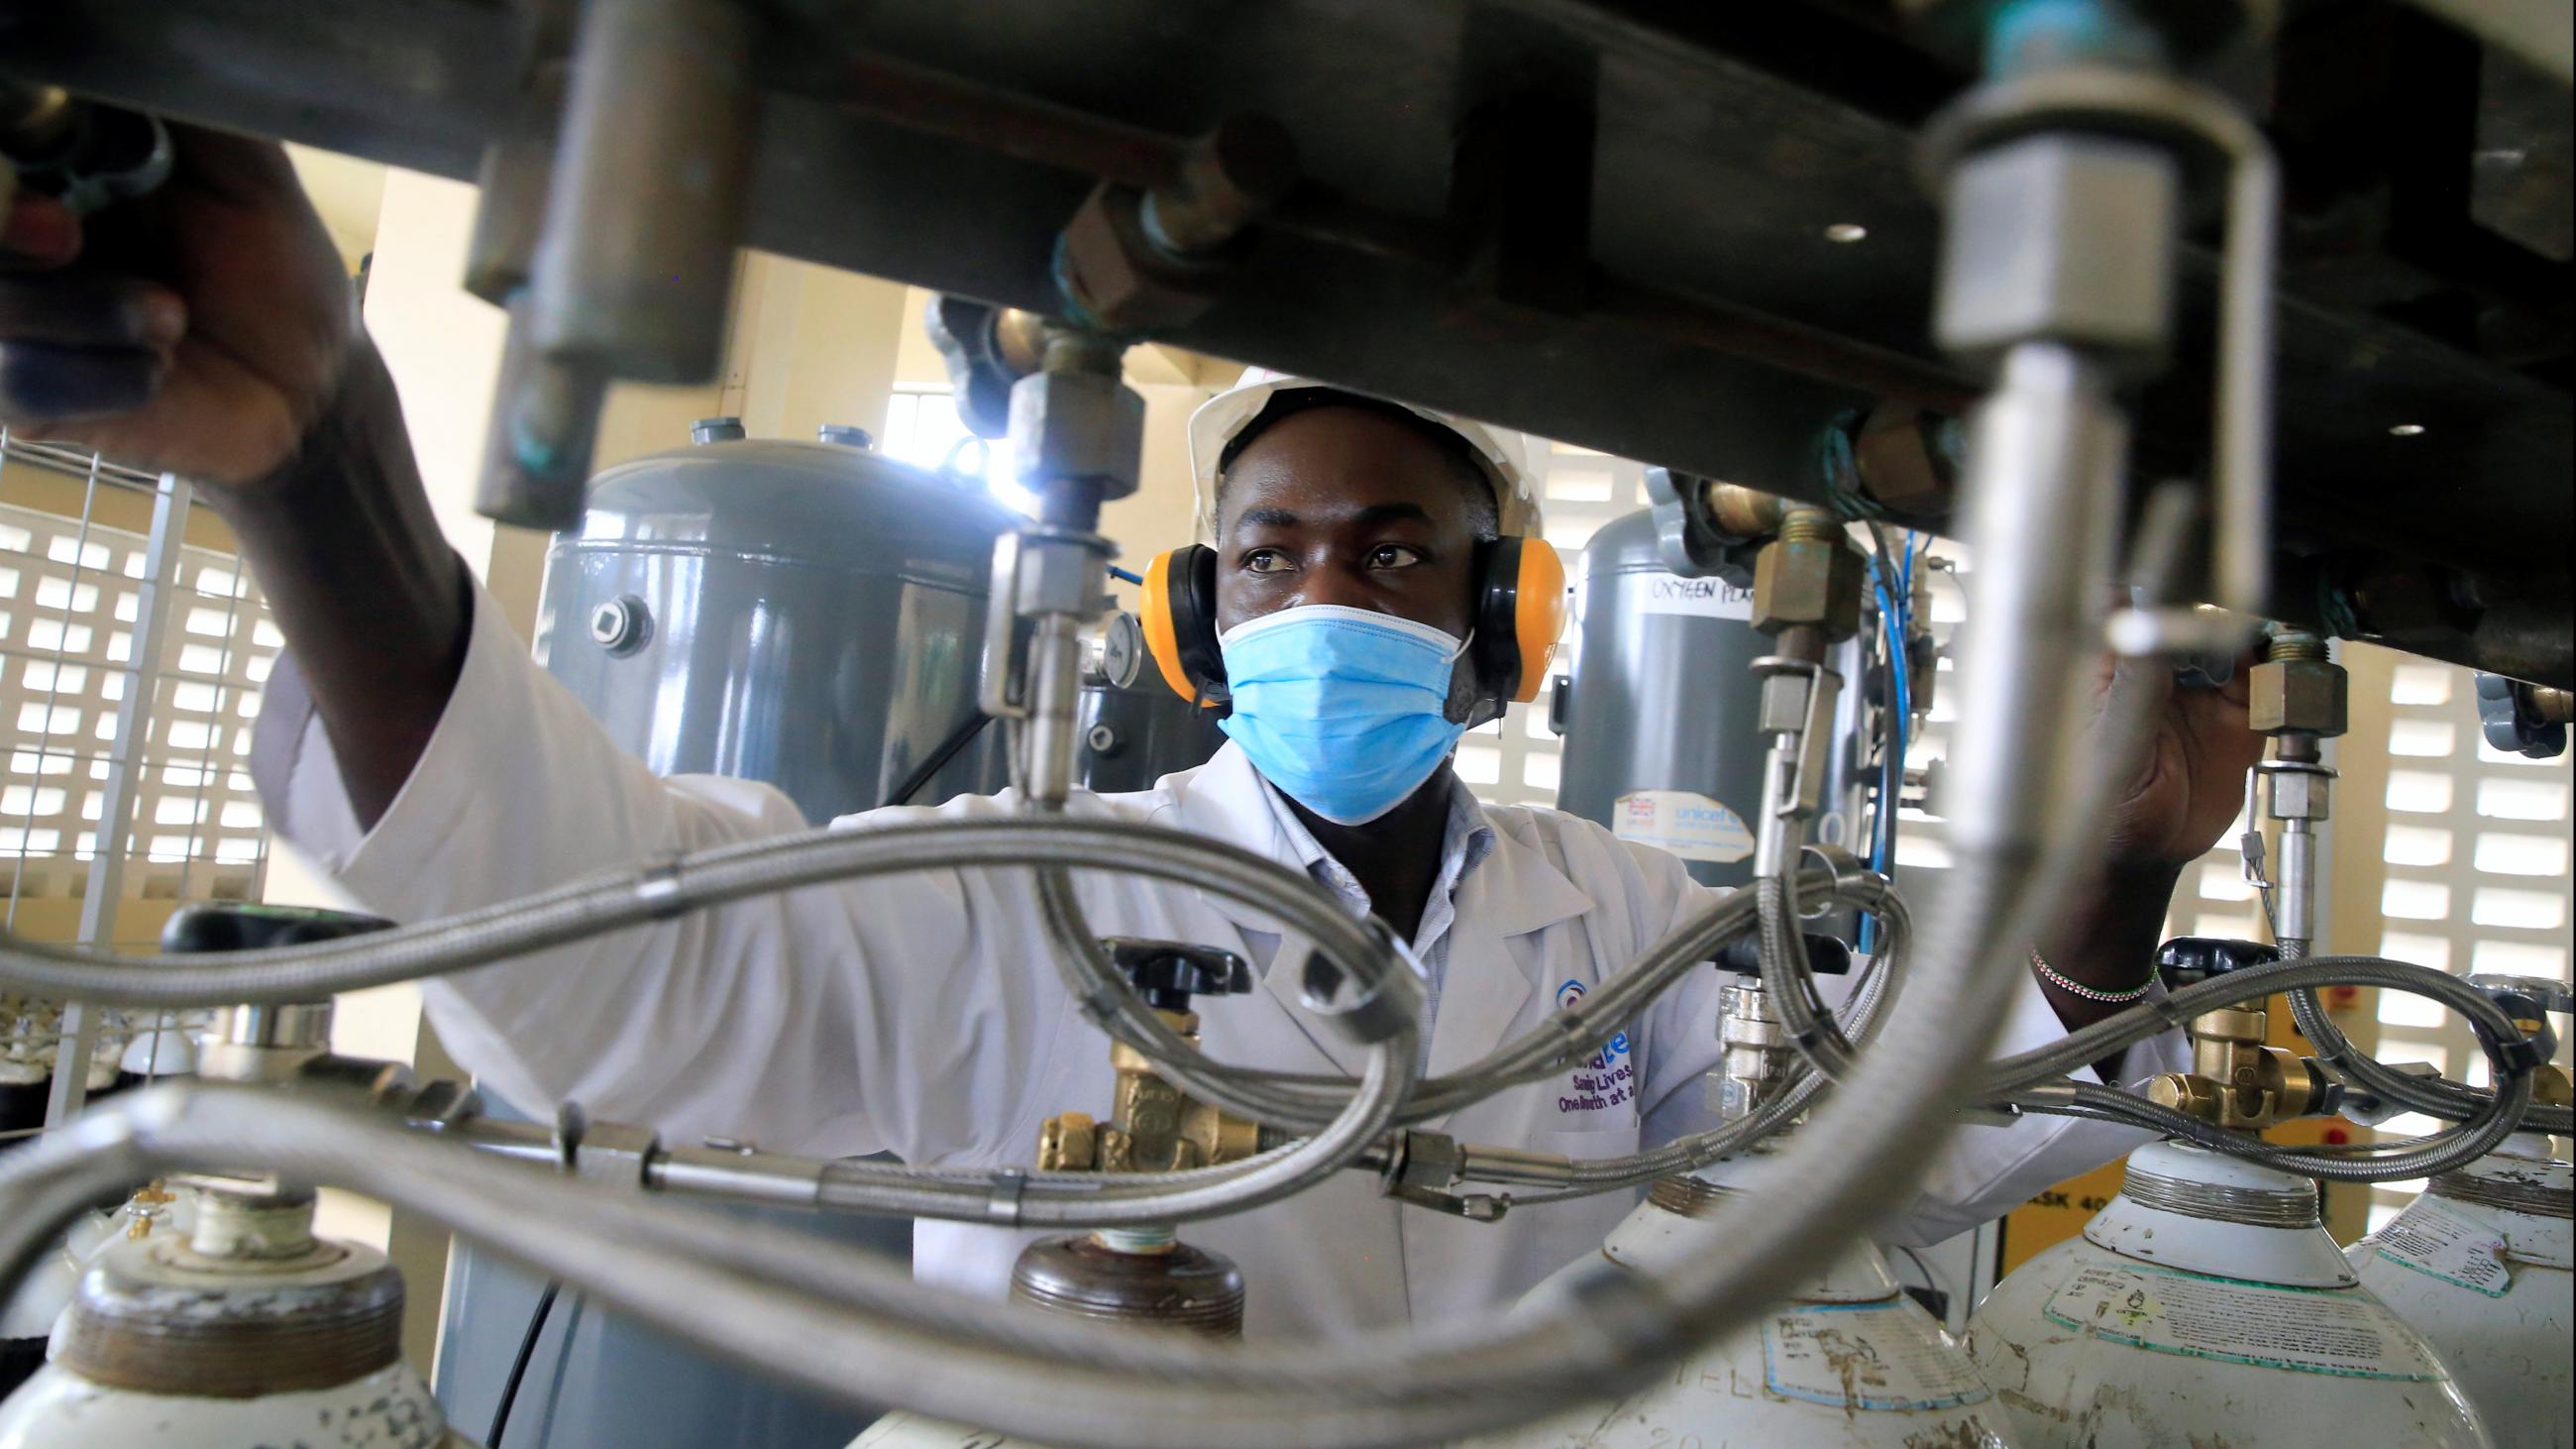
(104, 889)
(1055, 694)
(2295, 888)
(635, 265)
(850, 1325)
(652, 892)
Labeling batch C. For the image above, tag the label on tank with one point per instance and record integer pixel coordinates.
(2335, 1331)
(2433, 1239)
(1859, 1356)
(1702, 598)
(1693, 827)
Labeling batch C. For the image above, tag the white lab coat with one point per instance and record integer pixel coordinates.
(921, 1015)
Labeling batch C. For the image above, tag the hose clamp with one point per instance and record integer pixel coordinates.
(1002, 1207)
(658, 889)
(1367, 1010)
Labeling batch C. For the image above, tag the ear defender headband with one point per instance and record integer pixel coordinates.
(1520, 612)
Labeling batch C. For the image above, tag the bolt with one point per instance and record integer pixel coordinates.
(1102, 739)
(2294, 644)
(1809, 525)
(621, 625)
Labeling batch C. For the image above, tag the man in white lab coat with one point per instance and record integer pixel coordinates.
(413, 749)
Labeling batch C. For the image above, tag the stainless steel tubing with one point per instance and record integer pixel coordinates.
(845, 1323)
(2137, 1023)
(2424, 1157)
(1858, 1022)
(1032, 1199)
(644, 894)
(1294, 1100)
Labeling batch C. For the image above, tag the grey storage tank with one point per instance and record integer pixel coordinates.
(807, 614)
(1660, 721)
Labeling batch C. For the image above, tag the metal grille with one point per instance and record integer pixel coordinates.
(2476, 873)
(131, 660)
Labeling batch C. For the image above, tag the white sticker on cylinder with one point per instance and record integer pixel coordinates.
(1849, 1356)
(1691, 826)
(2435, 1240)
(2343, 1332)
(1702, 598)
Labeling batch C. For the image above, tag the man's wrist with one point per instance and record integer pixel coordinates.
(2108, 944)
(342, 445)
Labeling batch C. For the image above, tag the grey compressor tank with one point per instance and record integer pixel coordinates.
(808, 614)
(1662, 743)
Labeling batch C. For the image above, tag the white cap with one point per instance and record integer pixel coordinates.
(1502, 454)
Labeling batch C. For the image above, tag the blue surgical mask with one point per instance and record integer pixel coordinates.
(1342, 708)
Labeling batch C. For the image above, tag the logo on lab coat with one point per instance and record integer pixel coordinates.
(1604, 1082)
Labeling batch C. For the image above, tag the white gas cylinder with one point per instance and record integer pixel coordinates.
(1847, 1361)
(2207, 1304)
(904, 1429)
(2480, 1265)
(247, 1330)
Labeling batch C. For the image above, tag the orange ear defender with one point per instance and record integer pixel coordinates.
(1179, 617)
(1520, 612)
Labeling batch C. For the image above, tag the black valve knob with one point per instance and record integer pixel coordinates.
(1169, 973)
(2512, 716)
(1826, 956)
(244, 927)
(2186, 959)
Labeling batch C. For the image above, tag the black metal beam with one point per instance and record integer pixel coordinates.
(1700, 320)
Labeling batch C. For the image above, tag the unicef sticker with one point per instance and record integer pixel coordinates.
(1681, 823)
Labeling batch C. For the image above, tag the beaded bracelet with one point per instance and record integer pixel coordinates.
(2058, 979)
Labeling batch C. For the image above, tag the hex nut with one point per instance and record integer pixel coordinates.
(2181, 1092)
(2310, 695)
(2298, 795)
(1814, 582)
(1068, 1142)
(2020, 208)
(1079, 425)
(1119, 278)
(1899, 463)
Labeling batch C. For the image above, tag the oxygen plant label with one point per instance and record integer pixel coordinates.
(2342, 1332)
(1841, 1354)
(2432, 1239)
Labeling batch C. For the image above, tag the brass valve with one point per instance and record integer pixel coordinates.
(1153, 1125)
(2236, 1080)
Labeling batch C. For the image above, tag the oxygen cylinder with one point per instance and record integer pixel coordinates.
(1847, 1360)
(245, 1330)
(27, 1318)
(2480, 1265)
(1663, 700)
(2207, 1304)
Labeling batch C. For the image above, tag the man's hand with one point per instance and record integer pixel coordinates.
(2191, 784)
(198, 330)
(2185, 792)
(208, 330)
